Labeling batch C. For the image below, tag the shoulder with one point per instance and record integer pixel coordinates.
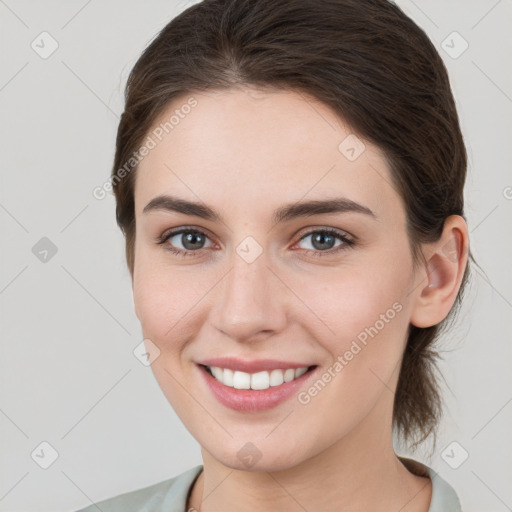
(165, 496)
(444, 497)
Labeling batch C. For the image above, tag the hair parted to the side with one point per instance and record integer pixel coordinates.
(375, 68)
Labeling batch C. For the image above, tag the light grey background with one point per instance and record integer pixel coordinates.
(68, 374)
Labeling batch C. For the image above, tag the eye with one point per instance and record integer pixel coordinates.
(191, 240)
(324, 241)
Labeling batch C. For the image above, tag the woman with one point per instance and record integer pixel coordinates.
(289, 179)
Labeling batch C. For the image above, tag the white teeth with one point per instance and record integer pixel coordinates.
(217, 372)
(300, 371)
(241, 380)
(227, 378)
(276, 377)
(259, 380)
(289, 375)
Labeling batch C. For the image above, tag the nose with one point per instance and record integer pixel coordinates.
(252, 301)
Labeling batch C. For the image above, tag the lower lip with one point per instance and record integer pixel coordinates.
(251, 400)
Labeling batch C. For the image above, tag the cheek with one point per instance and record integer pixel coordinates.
(367, 318)
(354, 300)
(165, 307)
(164, 304)
(367, 322)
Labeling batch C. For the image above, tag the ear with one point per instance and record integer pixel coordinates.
(441, 275)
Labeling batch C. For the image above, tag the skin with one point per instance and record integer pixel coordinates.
(246, 152)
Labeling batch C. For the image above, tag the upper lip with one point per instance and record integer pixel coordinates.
(252, 366)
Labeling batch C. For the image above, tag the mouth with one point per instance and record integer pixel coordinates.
(254, 392)
(257, 381)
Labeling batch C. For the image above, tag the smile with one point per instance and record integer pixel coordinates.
(258, 381)
(258, 391)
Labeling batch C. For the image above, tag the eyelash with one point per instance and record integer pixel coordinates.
(347, 242)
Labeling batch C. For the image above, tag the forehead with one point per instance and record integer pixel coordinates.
(249, 148)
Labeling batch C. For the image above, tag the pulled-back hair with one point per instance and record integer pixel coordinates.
(375, 68)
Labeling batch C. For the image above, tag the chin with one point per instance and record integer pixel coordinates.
(253, 457)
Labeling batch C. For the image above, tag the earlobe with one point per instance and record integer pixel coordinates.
(442, 274)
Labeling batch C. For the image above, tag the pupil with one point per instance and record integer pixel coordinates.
(319, 241)
(190, 240)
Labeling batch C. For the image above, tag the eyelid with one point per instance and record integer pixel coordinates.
(325, 229)
(176, 231)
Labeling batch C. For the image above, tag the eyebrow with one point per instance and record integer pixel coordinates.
(283, 214)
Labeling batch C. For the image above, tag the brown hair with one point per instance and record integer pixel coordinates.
(371, 65)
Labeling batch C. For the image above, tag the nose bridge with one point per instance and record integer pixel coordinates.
(249, 301)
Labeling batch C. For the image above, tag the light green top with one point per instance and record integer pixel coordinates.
(171, 495)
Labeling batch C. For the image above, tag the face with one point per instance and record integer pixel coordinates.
(295, 256)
